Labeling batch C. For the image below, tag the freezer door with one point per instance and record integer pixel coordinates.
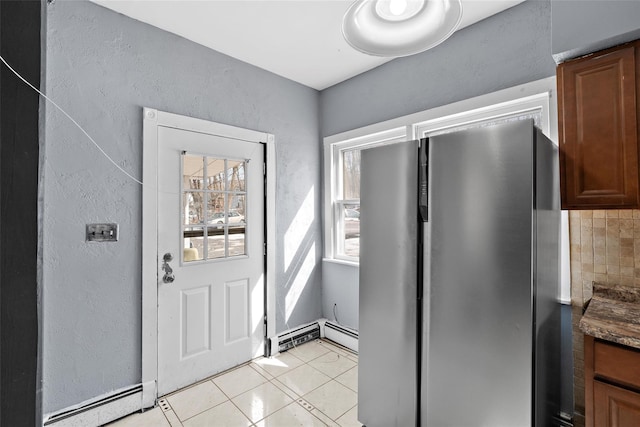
(546, 273)
(387, 367)
(477, 324)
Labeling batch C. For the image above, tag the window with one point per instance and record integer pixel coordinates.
(213, 206)
(348, 207)
(342, 152)
(345, 204)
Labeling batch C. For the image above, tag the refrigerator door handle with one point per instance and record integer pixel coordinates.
(423, 179)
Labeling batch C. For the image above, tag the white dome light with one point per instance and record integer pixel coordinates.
(400, 27)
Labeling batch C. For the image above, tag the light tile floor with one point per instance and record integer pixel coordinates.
(315, 384)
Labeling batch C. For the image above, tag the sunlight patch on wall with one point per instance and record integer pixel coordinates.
(298, 229)
(300, 281)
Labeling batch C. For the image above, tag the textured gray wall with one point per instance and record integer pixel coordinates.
(103, 68)
(340, 287)
(507, 49)
(583, 26)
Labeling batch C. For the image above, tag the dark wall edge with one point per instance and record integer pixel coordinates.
(20, 45)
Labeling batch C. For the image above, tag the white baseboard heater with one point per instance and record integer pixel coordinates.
(294, 337)
(342, 335)
(99, 411)
(322, 328)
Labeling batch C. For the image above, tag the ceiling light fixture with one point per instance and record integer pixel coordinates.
(400, 27)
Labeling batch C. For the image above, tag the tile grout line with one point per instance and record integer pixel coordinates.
(274, 380)
(311, 407)
(170, 409)
(304, 405)
(279, 384)
(169, 421)
(229, 398)
(243, 414)
(345, 412)
(211, 378)
(202, 412)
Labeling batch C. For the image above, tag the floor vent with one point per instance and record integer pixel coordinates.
(344, 336)
(297, 336)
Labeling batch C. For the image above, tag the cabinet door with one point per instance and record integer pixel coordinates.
(598, 131)
(615, 407)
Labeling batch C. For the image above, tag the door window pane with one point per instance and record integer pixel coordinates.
(215, 174)
(236, 241)
(235, 175)
(216, 208)
(193, 244)
(236, 208)
(213, 193)
(193, 203)
(216, 242)
(193, 172)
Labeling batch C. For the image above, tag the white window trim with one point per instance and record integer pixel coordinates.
(538, 96)
(333, 179)
(529, 105)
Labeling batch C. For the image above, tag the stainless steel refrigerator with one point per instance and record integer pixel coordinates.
(459, 297)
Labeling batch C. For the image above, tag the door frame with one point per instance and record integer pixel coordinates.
(152, 119)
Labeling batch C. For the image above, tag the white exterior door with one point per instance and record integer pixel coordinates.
(211, 221)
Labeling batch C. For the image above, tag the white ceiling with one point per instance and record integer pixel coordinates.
(297, 39)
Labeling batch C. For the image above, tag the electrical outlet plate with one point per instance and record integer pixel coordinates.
(102, 232)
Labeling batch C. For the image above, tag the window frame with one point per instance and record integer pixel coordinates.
(206, 226)
(531, 97)
(334, 162)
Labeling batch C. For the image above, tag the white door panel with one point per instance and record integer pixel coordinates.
(194, 321)
(211, 221)
(236, 311)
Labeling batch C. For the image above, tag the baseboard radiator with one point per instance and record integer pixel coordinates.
(99, 411)
(294, 337)
(342, 335)
(322, 328)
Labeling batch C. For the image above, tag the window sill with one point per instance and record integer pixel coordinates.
(342, 262)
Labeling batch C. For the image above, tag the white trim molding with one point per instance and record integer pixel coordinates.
(152, 120)
(333, 181)
(99, 410)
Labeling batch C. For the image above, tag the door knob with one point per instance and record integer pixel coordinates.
(168, 277)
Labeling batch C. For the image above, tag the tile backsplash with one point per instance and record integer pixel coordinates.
(605, 247)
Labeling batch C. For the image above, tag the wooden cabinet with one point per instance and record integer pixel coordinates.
(598, 118)
(615, 406)
(612, 384)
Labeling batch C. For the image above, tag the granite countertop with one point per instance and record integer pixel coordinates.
(613, 314)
